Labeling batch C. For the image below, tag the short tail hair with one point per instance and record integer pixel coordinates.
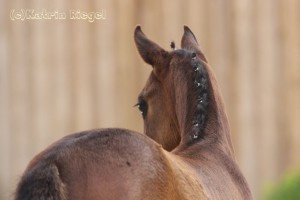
(41, 183)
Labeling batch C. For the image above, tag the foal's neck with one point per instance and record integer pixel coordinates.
(204, 121)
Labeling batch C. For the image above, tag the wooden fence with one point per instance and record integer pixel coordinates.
(59, 76)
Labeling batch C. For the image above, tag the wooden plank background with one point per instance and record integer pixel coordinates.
(63, 76)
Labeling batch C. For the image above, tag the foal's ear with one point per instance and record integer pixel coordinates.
(189, 42)
(151, 52)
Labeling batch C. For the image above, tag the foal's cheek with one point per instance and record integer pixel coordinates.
(152, 122)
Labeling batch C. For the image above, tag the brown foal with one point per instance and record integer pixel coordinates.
(186, 154)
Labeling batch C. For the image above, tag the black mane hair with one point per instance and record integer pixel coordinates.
(200, 84)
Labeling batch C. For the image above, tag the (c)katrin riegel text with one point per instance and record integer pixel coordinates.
(33, 14)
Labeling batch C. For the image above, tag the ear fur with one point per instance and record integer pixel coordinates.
(151, 52)
(189, 42)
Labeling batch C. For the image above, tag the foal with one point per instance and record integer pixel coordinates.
(190, 156)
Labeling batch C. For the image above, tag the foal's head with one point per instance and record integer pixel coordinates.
(180, 103)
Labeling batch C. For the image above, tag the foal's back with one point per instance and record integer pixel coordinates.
(100, 164)
(111, 164)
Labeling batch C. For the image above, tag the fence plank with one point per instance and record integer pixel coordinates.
(290, 17)
(246, 98)
(267, 99)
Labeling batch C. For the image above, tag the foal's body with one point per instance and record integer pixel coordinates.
(121, 164)
(99, 164)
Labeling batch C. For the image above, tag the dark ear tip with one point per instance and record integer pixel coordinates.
(137, 29)
(188, 33)
(187, 29)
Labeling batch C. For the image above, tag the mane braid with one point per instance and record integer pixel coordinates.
(200, 79)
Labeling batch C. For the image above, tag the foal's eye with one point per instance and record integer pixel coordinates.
(142, 106)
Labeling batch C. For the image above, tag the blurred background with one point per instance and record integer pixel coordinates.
(61, 76)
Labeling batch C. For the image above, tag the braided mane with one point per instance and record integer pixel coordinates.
(200, 79)
(198, 93)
